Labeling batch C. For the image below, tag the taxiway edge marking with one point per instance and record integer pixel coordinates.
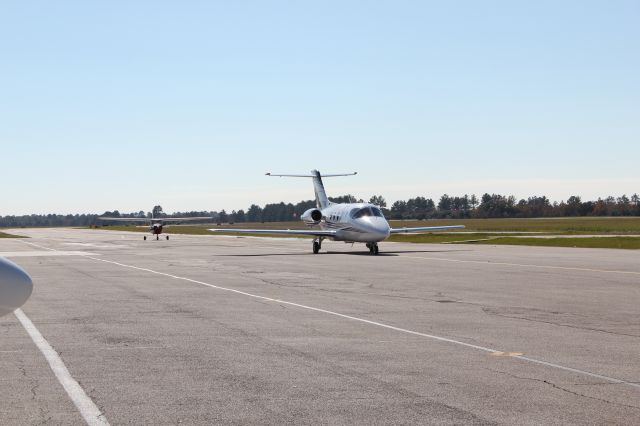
(85, 405)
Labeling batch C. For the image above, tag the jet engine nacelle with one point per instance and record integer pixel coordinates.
(15, 286)
(312, 216)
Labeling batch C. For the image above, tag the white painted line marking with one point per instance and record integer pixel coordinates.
(40, 253)
(526, 265)
(37, 245)
(89, 411)
(378, 324)
(98, 246)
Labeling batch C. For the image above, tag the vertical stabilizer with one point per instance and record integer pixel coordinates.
(322, 201)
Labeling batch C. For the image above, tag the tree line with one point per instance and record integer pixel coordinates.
(502, 206)
(419, 208)
(454, 207)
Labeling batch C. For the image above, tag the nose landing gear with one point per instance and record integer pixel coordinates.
(317, 245)
(373, 248)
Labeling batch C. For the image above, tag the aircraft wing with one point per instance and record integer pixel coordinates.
(425, 229)
(180, 219)
(125, 219)
(314, 233)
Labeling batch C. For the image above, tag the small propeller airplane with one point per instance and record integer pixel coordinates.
(15, 286)
(348, 222)
(156, 225)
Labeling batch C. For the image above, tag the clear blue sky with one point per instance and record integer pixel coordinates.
(123, 105)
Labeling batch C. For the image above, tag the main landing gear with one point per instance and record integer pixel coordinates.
(373, 248)
(157, 237)
(317, 245)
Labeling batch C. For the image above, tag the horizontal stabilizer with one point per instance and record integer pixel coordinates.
(322, 201)
(312, 176)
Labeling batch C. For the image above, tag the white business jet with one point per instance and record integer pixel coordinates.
(348, 222)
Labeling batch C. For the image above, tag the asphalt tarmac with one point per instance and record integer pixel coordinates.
(226, 330)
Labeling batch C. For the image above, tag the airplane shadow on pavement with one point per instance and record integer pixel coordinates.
(350, 253)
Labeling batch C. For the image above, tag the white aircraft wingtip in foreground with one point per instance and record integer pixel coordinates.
(348, 222)
(15, 286)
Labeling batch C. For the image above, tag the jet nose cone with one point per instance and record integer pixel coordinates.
(377, 228)
(15, 286)
(383, 227)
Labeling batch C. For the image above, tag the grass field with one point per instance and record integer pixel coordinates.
(569, 225)
(482, 231)
(5, 235)
(439, 237)
(629, 243)
(616, 242)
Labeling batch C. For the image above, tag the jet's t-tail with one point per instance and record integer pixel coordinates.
(322, 201)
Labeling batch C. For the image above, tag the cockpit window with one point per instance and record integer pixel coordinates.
(366, 212)
(358, 213)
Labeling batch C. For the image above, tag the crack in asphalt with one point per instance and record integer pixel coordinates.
(487, 310)
(555, 386)
(44, 418)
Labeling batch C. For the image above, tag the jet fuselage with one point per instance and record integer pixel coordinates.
(353, 222)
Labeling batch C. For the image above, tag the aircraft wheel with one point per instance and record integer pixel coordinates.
(145, 238)
(316, 247)
(375, 249)
(157, 237)
(167, 238)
